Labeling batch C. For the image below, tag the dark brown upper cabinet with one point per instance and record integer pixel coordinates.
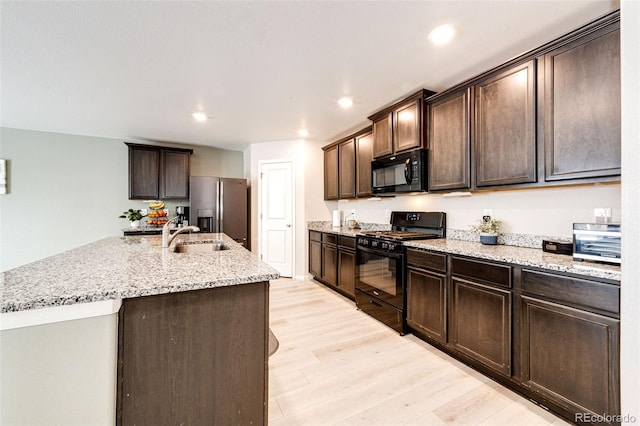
(347, 169)
(364, 156)
(450, 142)
(406, 126)
(550, 116)
(347, 166)
(158, 173)
(581, 106)
(383, 136)
(331, 175)
(401, 126)
(501, 149)
(505, 127)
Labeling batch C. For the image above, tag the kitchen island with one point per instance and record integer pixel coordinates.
(189, 326)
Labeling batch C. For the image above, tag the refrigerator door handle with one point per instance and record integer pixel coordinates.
(221, 207)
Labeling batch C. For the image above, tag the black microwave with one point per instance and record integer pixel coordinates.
(404, 172)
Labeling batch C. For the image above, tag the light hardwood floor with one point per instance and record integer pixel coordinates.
(338, 366)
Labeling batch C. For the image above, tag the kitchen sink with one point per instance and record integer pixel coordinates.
(200, 246)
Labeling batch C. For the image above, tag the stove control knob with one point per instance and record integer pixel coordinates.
(392, 247)
(385, 246)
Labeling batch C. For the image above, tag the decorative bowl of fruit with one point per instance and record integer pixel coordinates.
(157, 215)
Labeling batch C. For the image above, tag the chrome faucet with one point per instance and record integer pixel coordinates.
(167, 238)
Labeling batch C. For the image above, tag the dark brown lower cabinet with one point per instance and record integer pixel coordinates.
(347, 265)
(481, 323)
(571, 356)
(330, 264)
(315, 253)
(427, 303)
(347, 271)
(553, 337)
(194, 358)
(332, 261)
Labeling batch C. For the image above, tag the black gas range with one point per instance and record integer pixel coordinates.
(380, 264)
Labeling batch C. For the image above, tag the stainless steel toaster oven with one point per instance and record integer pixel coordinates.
(598, 242)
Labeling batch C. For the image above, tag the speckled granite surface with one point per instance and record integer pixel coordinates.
(519, 249)
(343, 230)
(126, 267)
(520, 256)
(517, 240)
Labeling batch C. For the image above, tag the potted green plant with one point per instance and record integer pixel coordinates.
(134, 217)
(488, 228)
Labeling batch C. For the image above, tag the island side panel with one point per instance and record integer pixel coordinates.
(196, 357)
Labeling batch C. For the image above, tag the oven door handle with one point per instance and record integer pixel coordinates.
(382, 253)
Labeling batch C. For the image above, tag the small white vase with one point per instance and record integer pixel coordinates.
(135, 224)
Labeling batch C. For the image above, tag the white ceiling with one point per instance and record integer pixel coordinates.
(260, 70)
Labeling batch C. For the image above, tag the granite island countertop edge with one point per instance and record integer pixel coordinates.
(127, 267)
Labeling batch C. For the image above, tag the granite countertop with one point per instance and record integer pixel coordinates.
(126, 267)
(523, 256)
(342, 230)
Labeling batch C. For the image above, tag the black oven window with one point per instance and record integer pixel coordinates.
(378, 272)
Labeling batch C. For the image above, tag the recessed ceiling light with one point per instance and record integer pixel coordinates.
(200, 116)
(345, 102)
(442, 34)
(303, 132)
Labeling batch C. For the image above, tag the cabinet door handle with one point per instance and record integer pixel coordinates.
(407, 171)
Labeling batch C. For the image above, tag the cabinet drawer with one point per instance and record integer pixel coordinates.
(426, 259)
(329, 238)
(489, 273)
(595, 296)
(315, 236)
(380, 310)
(347, 242)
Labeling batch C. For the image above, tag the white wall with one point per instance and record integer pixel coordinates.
(315, 206)
(630, 298)
(68, 190)
(549, 211)
(62, 373)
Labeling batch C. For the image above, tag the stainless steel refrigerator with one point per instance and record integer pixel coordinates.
(220, 205)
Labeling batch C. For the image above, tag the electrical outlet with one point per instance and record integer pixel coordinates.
(144, 212)
(487, 212)
(602, 214)
(387, 213)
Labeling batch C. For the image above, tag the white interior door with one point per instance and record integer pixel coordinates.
(276, 216)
